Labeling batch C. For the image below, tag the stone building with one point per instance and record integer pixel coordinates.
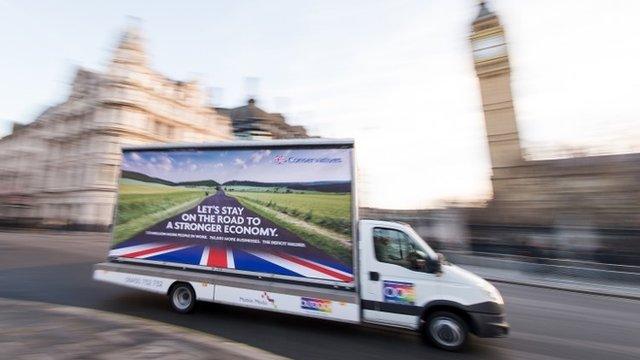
(61, 169)
(584, 207)
(251, 122)
(601, 191)
(579, 207)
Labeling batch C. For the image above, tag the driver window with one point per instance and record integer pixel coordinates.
(395, 247)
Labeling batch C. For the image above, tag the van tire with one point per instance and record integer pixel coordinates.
(182, 298)
(446, 330)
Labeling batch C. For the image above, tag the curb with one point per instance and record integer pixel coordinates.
(558, 287)
(212, 341)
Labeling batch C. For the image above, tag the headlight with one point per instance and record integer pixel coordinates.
(493, 293)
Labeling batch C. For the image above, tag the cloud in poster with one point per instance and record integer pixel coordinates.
(135, 157)
(241, 163)
(257, 156)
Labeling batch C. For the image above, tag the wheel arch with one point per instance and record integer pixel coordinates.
(449, 306)
(179, 282)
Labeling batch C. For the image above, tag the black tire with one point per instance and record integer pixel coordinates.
(182, 298)
(446, 330)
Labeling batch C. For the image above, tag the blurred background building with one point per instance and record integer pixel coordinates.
(251, 122)
(61, 170)
(602, 191)
(581, 207)
(580, 204)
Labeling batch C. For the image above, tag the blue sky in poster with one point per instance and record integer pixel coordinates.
(255, 165)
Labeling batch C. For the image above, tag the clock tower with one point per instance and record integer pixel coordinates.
(492, 68)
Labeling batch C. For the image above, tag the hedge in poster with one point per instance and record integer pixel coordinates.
(279, 211)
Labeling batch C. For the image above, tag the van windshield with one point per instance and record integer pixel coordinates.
(426, 248)
(400, 247)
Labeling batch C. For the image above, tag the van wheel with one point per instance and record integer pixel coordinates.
(446, 330)
(182, 298)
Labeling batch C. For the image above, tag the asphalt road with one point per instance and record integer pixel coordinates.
(546, 324)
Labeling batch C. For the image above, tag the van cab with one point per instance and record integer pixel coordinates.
(407, 284)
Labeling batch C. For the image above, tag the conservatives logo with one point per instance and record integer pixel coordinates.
(321, 305)
(281, 159)
(398, 292)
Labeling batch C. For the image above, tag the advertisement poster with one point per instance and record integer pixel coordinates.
(281, 211)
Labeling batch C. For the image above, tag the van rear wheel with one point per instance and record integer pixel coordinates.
(182, 298)
(446, 330)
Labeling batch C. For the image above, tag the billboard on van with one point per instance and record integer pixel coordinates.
(280, 211)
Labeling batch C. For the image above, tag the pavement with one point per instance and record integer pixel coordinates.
(36, 330)
(546, 323)
(611, 288)
(550, 269)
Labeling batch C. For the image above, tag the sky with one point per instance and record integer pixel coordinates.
(277, 165)
(397, 76)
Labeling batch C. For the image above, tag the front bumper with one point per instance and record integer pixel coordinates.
(489, 325)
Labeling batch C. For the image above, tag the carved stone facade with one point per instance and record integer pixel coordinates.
(61, 169)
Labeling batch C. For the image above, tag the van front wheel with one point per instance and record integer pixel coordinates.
(182, 298)
(446, 330)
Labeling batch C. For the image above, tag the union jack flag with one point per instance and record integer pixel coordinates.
(206, 256)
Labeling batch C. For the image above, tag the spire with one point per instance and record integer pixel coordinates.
(130, 48)
(483, 13)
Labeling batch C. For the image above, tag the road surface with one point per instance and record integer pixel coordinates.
(159, 232)
(546, 324)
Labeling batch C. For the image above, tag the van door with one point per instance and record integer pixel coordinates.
(395, 286)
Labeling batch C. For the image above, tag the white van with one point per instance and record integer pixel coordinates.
(262, 254)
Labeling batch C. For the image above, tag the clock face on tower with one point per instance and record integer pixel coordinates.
(489, 47)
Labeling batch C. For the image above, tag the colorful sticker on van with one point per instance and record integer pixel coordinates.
(314, 304)
(399, 292)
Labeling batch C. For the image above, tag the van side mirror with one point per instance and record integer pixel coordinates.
(419, 264)
(434, 266)
(418, 260)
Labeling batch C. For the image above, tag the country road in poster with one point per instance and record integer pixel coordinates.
(258, 211)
